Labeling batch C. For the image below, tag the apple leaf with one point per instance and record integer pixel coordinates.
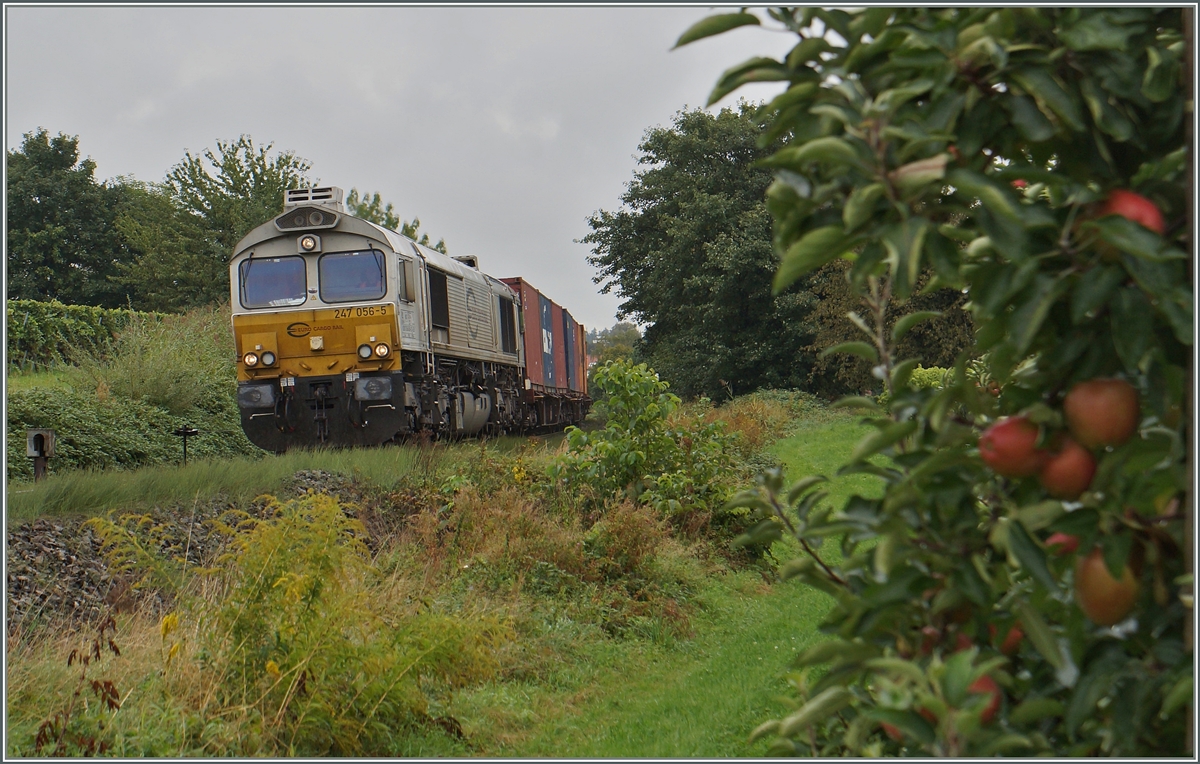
(714, 25)
(912, 319)
(1030, 555)
(855, 347)
(1040, 635)
(814, 249)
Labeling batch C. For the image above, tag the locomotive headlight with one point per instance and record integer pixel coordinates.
(364, 351)
(250, 359)
(268, 358)
(309, 243)
(382, 350)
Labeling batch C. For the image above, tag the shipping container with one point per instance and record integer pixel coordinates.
(554, 342)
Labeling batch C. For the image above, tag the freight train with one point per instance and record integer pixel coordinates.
(351, 334)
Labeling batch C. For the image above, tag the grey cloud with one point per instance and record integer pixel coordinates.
(503, 129)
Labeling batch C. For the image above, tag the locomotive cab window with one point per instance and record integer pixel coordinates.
(349, 276)
(271, 282)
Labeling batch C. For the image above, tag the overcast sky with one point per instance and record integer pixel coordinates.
(503, 129)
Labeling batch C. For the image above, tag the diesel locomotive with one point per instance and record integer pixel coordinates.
(351, 334)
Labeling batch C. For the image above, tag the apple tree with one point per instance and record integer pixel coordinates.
(1021, 582)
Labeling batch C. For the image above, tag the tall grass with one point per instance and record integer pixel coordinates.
(630, 640)
(172, 362)
(88, 493)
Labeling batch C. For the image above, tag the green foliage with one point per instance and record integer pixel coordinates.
(235, 188)
(179, 263)
(613, 344)
(371, 207)
(906, 132)
(642, 453)
(296, 643)
(938, 340)
(160, 374)
(921, 378)
(62, 243)
(186, 228)
(297, 652)
(45, 334)
(690, 255)
(101, 434)
(178, 363)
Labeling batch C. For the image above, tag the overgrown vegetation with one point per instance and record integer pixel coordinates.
(119, 407)
(348, 628)
(1023, 586)
(43, 335)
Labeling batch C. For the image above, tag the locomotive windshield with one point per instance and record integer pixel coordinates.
(347, 276)
(270, 282)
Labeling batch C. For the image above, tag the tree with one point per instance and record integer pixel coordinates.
(690, 254)
(1040, 159)
(178, 262)
(62, 242)
(235, 188)
(185, 229)
(616, 343)
(372, 208)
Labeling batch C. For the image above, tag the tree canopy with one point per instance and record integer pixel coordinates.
(62, 240)
(689, 252)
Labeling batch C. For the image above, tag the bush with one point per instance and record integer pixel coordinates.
(43, 334)
(159, 374)
(679, 464)
(110, 434)
(292, 649)
(176, 362)
(922, 378)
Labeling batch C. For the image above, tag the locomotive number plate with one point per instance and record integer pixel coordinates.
(358, 311)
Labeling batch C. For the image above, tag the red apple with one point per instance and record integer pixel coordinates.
(1019, 183)
(1102, 412)
(1012, 641)
(985, 684)
(1010, 447)
(1135, 207)
(1102, 598)
(1062, 543)
(1068, 472)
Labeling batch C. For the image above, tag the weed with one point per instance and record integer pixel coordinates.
(81, 731)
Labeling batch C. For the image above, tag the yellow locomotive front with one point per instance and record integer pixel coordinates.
(319, 302)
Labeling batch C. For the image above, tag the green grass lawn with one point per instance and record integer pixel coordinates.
(691, 698)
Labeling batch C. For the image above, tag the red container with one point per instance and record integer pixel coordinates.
(554, 360)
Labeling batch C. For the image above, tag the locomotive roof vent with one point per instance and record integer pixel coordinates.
(468, 260)
(324, 196)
